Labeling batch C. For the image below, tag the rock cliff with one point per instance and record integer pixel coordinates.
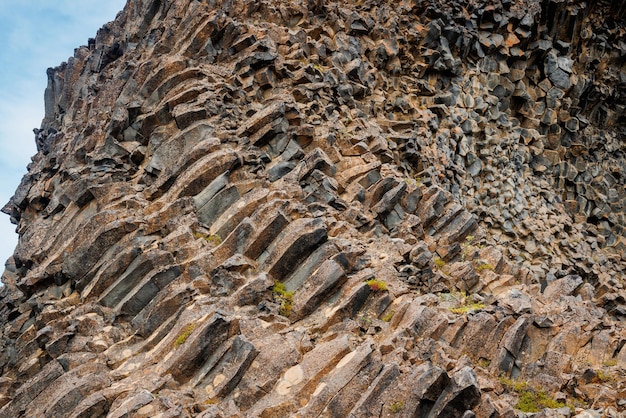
(337, 209)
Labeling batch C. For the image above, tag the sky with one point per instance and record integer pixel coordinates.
(35, 35)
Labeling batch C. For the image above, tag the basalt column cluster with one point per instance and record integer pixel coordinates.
(326, 209)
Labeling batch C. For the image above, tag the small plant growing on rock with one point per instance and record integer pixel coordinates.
(466, 304)
(284, 298)
(530, 399)
(469, 248)
(535, 400)
(184, 335)
(484, 363)
(466, 308)
(396, 407)
(387, 317)
(482, 266)
(213, 239)
(610, 363)
(439, 263)
(604, 377)
(416, 182)
(376, 285)
(410, 182)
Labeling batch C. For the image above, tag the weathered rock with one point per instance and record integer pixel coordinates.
(562, 287)
(461, 395)
(242, 208)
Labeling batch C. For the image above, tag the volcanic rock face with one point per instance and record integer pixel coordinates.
(338, 209)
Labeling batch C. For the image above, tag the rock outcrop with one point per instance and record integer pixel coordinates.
(338, 209)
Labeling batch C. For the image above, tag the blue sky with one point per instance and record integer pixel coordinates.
(35, 35)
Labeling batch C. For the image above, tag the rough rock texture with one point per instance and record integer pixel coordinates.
(437, 187)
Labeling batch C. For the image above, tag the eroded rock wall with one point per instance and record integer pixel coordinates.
(325, 209)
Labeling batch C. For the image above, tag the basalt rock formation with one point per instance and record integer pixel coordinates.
(338, 209)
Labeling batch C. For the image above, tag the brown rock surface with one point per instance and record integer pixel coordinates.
(337, 209)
